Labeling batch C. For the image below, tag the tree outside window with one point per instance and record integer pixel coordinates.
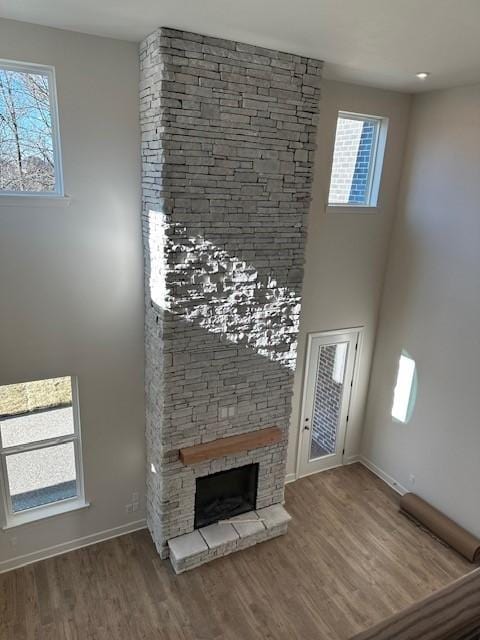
(27, 135)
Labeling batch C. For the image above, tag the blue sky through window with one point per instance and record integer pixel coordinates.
(26, 139)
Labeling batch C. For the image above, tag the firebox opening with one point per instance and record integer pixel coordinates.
(225, 494)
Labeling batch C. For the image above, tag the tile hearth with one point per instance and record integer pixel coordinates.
(222, 538)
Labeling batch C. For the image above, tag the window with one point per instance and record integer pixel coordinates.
(357, 160)
(405, 391)
(40, 449)
(29, 140)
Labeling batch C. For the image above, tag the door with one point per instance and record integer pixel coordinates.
(327, 392)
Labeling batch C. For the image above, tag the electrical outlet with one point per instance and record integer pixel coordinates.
(412, 479)
(227, 412)
(129, 508)
(223, 413)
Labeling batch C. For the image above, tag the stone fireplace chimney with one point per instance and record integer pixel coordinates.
(228, 134)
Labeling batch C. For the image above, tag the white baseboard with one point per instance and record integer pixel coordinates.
(396, 486)
(58, 549)
(290, 477)
(347, 460)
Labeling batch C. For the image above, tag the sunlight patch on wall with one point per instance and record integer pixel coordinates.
(405, 391)
(225, 295)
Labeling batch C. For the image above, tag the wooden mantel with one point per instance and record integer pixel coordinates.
(231, 444)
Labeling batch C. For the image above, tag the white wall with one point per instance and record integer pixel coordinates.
(346, 252)
(71, 277)
(431, 307)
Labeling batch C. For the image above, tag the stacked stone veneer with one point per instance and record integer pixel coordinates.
(228, 135)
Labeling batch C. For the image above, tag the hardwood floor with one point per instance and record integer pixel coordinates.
(348, 561)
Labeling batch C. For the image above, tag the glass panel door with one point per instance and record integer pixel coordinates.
(328, 384)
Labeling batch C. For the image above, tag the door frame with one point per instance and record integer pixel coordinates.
(359, 331)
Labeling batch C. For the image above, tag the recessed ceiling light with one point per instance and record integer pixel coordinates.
(422, 75)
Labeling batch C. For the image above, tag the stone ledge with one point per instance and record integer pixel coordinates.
(222, 538)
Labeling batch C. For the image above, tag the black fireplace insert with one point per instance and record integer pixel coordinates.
(225, 494)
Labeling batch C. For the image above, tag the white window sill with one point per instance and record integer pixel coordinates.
(47, 511)
(33, 200)
(341, 208)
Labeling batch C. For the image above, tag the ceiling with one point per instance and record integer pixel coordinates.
(376, 42)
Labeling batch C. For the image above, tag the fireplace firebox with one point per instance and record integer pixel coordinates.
(225, 494)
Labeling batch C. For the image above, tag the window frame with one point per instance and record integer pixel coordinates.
(375, 169)
(11, 518)
(49, 71)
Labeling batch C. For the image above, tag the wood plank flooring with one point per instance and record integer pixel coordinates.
(348, 561)
(451, 613)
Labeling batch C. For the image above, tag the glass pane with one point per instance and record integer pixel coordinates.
(42, 476)
(352, 158)
(38, 410)
(26, 137)
(327, 404)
